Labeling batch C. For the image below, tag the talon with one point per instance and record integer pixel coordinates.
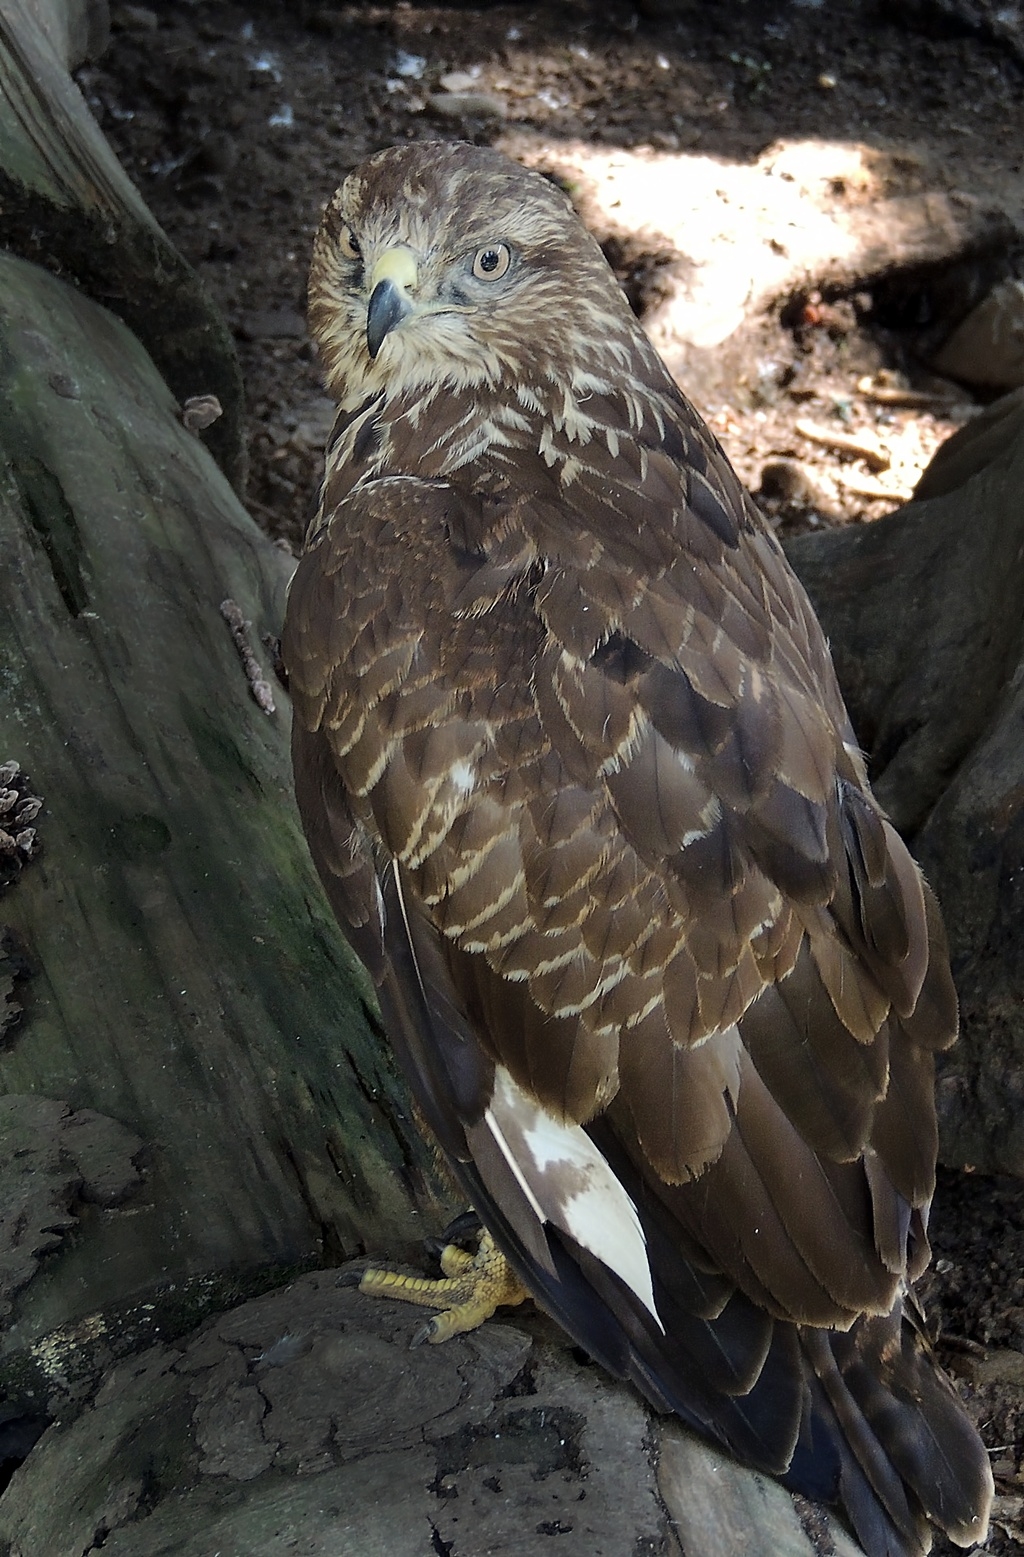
(464, 1228)
(472, 1287)
(455, 1261)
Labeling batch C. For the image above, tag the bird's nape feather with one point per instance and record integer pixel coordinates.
(577, 775)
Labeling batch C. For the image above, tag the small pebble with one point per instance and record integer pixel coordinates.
(411, 66)
(460, 80)
(200, 412)
(468, 105)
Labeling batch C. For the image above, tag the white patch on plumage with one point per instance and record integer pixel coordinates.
(496, 941)
(656, 999)
(576, 424)
(613, 977)
(463, 777)
(375, 772)
(569, 1183)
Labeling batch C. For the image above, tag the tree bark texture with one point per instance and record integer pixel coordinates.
(178, 968)
(925, 613)
(67, 204)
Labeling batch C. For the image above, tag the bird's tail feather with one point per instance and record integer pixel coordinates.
(862, 1418)
(914, 1451)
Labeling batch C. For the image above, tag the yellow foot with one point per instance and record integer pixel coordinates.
(474, 1285)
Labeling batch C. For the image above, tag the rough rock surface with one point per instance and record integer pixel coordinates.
(301, 1422)
(987, 347)
(54, 1159)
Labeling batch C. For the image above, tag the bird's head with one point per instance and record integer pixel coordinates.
(442, 265)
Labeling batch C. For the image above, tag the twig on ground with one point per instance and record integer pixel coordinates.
(862, 445)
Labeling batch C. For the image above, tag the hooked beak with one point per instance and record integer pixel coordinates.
(393, 274)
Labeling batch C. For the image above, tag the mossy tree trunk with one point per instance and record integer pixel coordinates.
(197, 1096)
(184, 976)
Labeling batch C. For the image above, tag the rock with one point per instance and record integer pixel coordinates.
(720, 1509)
(998, 1365)
(52, 1159)
(990, 18)
(982, 441)
(787, 480)
(302, 1419)
(987, 348)
(236, 1044)
(458, 81)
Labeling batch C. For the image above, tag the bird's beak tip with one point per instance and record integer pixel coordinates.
(393, 275)
(387, 308)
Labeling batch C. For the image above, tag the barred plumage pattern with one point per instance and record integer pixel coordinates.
(576, 772)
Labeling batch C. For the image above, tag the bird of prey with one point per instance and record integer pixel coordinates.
(577, 775)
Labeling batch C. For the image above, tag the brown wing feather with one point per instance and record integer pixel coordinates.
(561, 862)
(576, 772)
(726, 804)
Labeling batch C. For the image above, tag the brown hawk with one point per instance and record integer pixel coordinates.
(578, 778)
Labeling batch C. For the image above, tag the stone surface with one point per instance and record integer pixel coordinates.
(184, 974)
(52, 1159)
(719, 1509)
(302, 1422)
(987, 348)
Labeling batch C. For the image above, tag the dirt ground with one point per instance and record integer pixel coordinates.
(238, 121)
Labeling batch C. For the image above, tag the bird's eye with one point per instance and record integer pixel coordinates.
(491, 263)
(348, 243)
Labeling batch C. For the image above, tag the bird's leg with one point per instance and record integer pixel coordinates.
(472, 1287)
